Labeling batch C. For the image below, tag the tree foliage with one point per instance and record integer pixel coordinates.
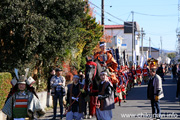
(171, 55)
(37, 29)
(89, 36)
(43, 33)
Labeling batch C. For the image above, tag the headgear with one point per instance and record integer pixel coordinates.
(102, 44)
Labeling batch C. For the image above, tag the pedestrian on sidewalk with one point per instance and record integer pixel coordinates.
(75, 98)
(178, 89)
(52, 73)
(106, 98)
(160, 71)
(58, 87)
(155, 92)
(174, 72)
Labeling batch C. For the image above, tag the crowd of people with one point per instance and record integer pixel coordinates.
(120, 82)
(76, 96)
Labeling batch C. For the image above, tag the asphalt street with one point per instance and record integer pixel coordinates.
(138, 107)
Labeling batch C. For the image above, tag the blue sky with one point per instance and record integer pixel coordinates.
(157, 18)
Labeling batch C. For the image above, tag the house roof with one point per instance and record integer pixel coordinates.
(114, 26)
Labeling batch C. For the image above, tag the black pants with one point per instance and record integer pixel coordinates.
(56, 97)
(156, 110)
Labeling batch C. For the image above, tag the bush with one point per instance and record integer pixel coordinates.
(5, 85)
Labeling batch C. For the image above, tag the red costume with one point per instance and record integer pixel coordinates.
(107, 57)
(139, 77)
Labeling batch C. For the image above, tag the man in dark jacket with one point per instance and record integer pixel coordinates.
(174, 72)
(160, 72)
(52, 73)
(75, 98)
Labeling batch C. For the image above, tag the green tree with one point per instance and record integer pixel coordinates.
(171, 55)
(89, 36)
(22, 31)
(37, 30)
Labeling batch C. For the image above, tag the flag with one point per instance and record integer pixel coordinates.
(134, 58)
(142, 62)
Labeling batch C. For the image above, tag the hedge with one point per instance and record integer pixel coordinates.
(5, 86)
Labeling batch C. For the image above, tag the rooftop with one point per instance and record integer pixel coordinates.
(114, 26)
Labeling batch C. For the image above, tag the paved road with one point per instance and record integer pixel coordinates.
(137, 104)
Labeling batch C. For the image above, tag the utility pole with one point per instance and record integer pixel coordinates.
(161, 46)
(133, 36)
(102, 15)
(149, 47)
(142, 34)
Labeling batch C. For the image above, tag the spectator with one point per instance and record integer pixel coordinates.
(178, 89)
(81, 77)
(155, 92)
(160, 71)
(58, 85)
(52, 73)
(174, 72)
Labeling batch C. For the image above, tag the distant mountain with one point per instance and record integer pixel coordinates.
(165, 51)
(169, 51)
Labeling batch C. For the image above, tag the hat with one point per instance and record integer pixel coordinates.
(58, 69)
(30, 81)
(102, 44)
(13, 82)
(152, 66)
(75, 77)
(103, 73)
(138, 66)
(22, 80)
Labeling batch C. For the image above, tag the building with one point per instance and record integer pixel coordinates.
(122, 39)
(154, 52)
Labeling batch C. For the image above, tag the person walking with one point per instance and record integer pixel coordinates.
(106, 98)
(178, 90)
(155, 92)
(75, 98)
(139, 75)
(145, 74)
(58, 86)
(174, 73)
(160, 71)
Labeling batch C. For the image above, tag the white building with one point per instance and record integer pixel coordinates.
(124, 34)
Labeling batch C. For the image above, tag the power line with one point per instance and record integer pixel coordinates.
(106, 18)
(157, 34)
(128, 16)
(154, 15)
(107, 12)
